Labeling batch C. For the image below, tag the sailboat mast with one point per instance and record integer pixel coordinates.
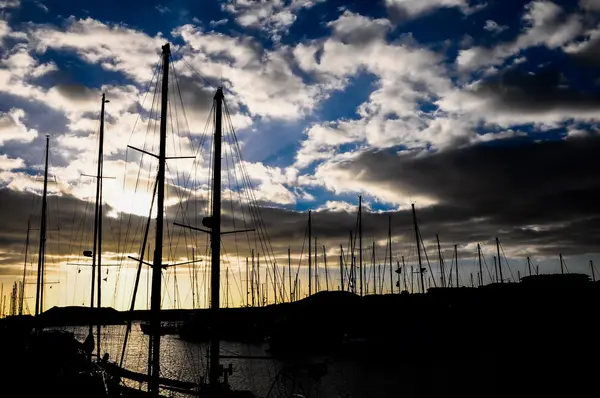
(529, 265)
(593, 273)
(499, 260)
(418, 247)
(39, 295)
(253, 278)
(404, 274)
(22, 292)
(480, 269)
(158, 246)
(97, 245)
(360, 253)
(441, 259)
(325, 265)
(390, 243)
(309, 254)
(342, 267)
(290, 273)
(562, 268)
(456, 262)
(215, 243)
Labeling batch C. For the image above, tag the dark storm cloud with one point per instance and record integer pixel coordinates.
(503, 188)
(543, 91)
(76, 92)
(537, 197)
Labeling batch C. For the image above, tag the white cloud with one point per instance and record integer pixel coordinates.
(576, 133)
(338, 206)
(270, 183)
(219, 22)
(12, 127)
(114, 47)
(9, 3)
(272, 16)
(492, 26)
(414, 8)
(8, 164)
(42, 6)
(545, 26)
(22, 65)
(261, 80)
(162, 9)
(323, 139)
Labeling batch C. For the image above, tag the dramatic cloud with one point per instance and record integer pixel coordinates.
(516, 98)
(13, 129)
(9, 3)
(405, 9)
(8, 164)
(262, 80)
(492, 134)
(545, 25)
(272, 16)
(114, 47)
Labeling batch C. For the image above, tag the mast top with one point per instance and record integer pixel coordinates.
(219, 93)
(166, 49)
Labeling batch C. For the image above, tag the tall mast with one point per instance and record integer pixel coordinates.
(456, 262)
(290, 273)
(216, 243)
(325, 265)
(592, 268)
(39, 295)
(342, 267)
(97, 245)
(22, 292)
(309, 254)
(418, 247)
(390, 243)
(317, 286)
(499, 260)
(247, 281)
(441, 259)
(562, 268)
(496, 269)
(480, 269)
(404, 274)
(374, 273)
(158, 245)
(274, 283)
(253, 277)
(352, 283)
(529, 265)
(360, 253)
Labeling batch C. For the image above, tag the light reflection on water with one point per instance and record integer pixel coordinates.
(187, 361)
(344, 378)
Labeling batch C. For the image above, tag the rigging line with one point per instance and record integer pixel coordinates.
(487, 268)
(194, 69)
(245, 191)
(300, 261)
(148, 126)
(507, 263)
(176, 79)
(231, 205)
(427, 258)
(257, 208)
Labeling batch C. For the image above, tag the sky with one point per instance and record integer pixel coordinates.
(481, 113)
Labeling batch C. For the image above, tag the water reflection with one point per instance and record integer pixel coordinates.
(347, 377)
